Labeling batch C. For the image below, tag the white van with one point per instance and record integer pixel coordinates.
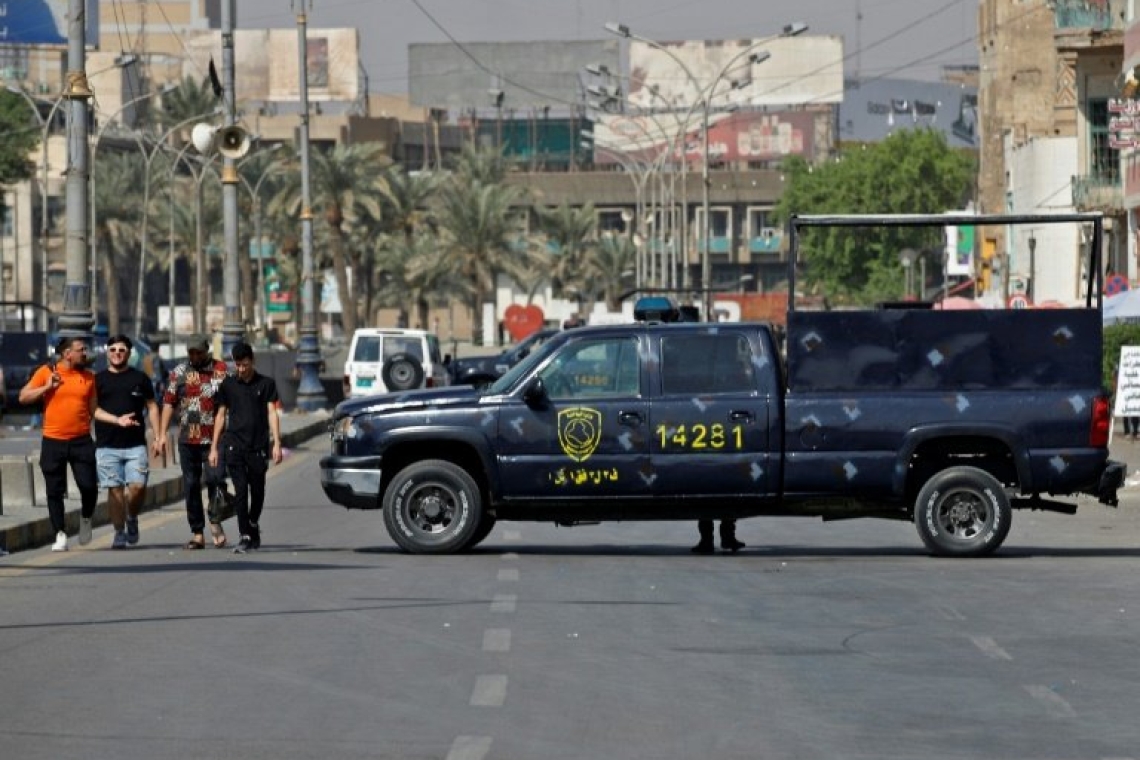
(389, 359)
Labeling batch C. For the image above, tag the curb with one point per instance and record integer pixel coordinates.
(160, 492)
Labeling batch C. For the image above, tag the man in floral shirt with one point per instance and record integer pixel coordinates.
(191, 390)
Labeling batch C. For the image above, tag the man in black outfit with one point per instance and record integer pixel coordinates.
(124, 394)
(248, 428)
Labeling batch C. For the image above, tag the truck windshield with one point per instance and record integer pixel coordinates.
(514, 373)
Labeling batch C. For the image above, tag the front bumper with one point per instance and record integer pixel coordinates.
(352, 482)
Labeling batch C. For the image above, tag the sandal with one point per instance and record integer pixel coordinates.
(197, 542)
(218, 534)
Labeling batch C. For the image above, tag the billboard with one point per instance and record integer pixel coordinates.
(528, 74)
(42, 22)
(750, 136)
(332, 61)
(798, 71)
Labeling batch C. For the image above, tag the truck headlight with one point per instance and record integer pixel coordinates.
(343, 429)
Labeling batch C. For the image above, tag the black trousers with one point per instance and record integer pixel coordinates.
(196, 470)
(55, 456)
(247, 470)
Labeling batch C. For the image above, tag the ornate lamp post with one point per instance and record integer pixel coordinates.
(76, 318)
(310, 392)
(705, 94)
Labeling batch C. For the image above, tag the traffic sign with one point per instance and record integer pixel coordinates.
(1115, 283)
(1018, 301)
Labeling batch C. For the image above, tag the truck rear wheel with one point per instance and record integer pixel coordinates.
(433, 507)
(962, 512)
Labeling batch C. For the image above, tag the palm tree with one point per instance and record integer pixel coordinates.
(610, 265)
(407, 214)
(119, 202)
(187, 101)
(573, 231)
(417, 267)
(479, 232)
(346, 181)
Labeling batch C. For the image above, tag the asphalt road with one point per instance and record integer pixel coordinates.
(820, 640)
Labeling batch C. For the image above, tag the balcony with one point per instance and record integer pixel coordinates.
(1097, 192)
(768, 241)
(1097, 15)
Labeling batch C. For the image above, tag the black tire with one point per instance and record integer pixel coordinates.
(486, 525)
(962, 512)
(433, 507)
(402, 372)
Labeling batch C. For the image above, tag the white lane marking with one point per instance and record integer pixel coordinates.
(949, 612)
(510, 555)
(504, 602)
(509, 574)
(497, 640)
(1053, 703)
(512, 535)
(469, 748)
(990, 648)
(490, 691)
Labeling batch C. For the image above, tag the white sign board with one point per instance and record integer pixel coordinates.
(1128, 383)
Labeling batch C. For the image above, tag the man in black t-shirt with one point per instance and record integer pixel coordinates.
(248, 428)
(123, 393)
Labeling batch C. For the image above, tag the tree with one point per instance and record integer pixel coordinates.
(119, 203)
(610, 265)
(346, 181)
(479, 232)
(187, 101)
(407, 214)
(21, 136)
(573, 231)
(911, 172)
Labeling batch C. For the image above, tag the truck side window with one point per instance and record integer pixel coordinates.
(696, 364)
(594, 369)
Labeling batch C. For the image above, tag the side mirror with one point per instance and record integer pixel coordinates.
(535, 393)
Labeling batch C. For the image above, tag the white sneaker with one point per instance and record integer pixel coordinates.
(60, 544)
(84, 531)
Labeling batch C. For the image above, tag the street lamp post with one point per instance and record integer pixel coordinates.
(254, 190)
(310, 392)
(232, 330)
(45, 128)
(705, 98)
(1031, 291)
(76, 318)
(148, 158)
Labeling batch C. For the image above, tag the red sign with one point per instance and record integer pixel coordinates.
(1116, 283)
(1018, 301)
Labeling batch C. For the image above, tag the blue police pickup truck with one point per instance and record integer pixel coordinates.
(947, 419)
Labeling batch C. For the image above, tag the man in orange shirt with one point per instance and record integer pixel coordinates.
(67, 390)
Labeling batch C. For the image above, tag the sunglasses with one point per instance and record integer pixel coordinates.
(117, 350)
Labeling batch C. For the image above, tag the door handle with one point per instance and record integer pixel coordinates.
(629, 418)
(741, 416)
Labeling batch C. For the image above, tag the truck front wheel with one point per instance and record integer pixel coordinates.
(433, 507)
(962, 512)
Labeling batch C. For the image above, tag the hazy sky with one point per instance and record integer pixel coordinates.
(896, 38)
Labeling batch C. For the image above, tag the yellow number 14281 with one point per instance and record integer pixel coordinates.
(700, 436)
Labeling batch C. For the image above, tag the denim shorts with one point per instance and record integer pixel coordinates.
(120, 467)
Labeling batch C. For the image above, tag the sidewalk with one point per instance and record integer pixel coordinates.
(26, 526)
